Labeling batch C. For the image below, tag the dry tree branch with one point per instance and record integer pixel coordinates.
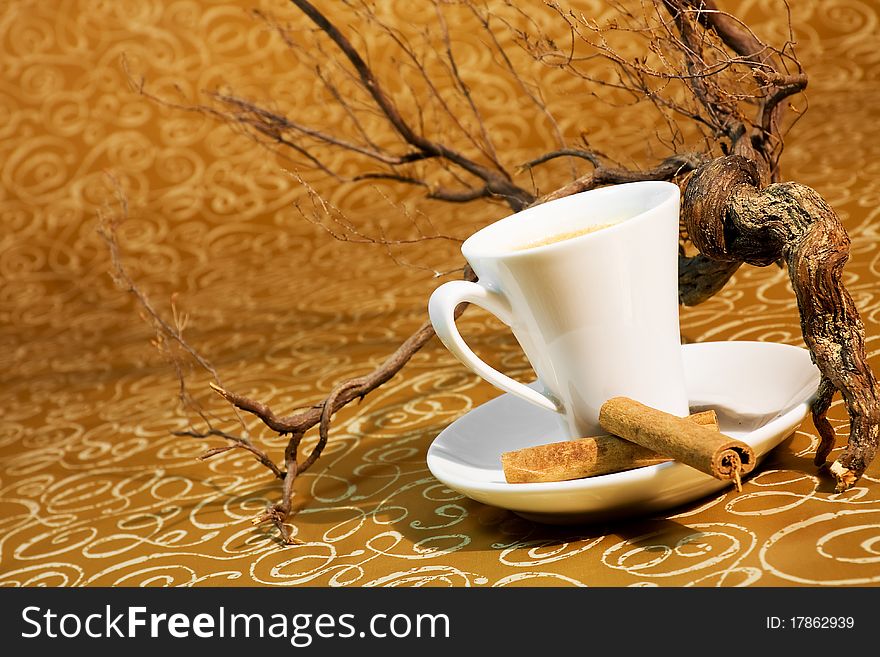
(532, 92)
(497, 181)
(348, 231)
(108, 229)
(481, 140)
(295, 425)
(668, 169)
(340, 396)
(701, 69)
(731, 217)
(734, 214)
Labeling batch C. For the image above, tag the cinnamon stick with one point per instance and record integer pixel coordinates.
(585, 457)
(708, 451)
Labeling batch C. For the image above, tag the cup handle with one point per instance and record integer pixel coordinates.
(441, 310)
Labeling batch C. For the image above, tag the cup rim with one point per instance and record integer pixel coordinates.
(469, 248)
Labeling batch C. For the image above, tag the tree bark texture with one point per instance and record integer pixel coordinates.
(732, 219)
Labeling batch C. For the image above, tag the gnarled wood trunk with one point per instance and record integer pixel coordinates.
(732, 219)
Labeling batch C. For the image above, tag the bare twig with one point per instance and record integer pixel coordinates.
(498, 182)
(671, 167)
(108, 227)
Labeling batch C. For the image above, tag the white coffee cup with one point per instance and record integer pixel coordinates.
(595, 314)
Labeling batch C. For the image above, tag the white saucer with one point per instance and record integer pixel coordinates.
(760, 390)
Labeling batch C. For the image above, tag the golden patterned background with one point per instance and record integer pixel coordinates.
(94, 490)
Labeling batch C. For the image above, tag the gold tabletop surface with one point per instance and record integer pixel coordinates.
(95, 490)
